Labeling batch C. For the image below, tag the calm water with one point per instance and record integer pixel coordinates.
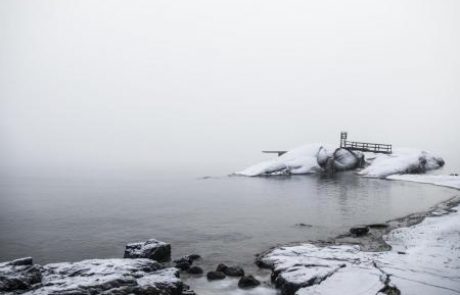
(225, 219)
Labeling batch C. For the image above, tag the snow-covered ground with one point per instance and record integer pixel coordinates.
(425, 259)
(441, 180)
(306, 159)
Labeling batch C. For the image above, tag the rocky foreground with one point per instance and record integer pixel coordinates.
(139, 272)
(424, 259)
(141, 275)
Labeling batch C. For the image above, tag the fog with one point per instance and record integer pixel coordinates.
(205, 84)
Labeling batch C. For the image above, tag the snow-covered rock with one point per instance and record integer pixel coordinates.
(402, 161)
(19, 274)
(302, 160)
(424, 260)
(100, 276)
(345, 159)
(152, 249)
(316, 158)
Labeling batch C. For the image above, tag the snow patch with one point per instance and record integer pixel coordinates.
(441, 180)
(402, 161)
(301, 160)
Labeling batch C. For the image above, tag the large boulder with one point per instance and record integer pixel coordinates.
(109, 277)
(345, 159)
(152, 249)
(19, 274)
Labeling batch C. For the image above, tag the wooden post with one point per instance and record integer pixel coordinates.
(343, 138)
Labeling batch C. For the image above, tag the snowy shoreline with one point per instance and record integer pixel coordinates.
(423, 258)
(415, 254)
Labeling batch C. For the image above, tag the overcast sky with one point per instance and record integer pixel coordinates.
(170, 83)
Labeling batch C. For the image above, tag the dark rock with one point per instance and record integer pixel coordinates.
(151, 249)
(301, 224)
(183, 265)
(378, 225)
(194, 257)
(345, 159)
(215, 275)
(262, 263)
(359, 231)
(234, 271)
(221, 267)
(195, 270)
(19, 274)
(248, 282)
(390, 290)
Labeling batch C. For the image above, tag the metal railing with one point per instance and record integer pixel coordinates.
(367, 147)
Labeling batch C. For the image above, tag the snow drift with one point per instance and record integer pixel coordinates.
(301, 160)
(402, 161)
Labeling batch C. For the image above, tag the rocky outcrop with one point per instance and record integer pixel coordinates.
(305, 268)
(345, 159)
(402, 161)
(94, 276)
(341, 160)
(421, 258)
(152, 249)
(19, 274)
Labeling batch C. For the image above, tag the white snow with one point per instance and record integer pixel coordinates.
(103, 274)
(401, 161)
(441, 180)
(428, 261)
(301, 160)
(304, 160)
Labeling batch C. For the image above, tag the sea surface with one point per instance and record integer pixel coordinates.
(225, 219)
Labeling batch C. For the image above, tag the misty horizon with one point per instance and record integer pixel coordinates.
(171, 84)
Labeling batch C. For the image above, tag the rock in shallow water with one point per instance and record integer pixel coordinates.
(215, 275)
(195, 270)
(248, 282)
(234, 271)
(152, 249)
(183, 264)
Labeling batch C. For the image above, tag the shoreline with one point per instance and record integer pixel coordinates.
(372, 261)
(373, 242)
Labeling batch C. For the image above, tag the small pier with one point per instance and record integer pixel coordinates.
(275, 152)
(364, 146)
(381, 148)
